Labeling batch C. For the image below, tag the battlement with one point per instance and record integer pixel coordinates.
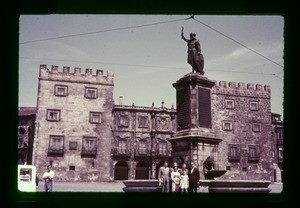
(241, 89)
(54, 74)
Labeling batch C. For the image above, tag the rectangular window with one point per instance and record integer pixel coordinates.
(61, 90)
(252, 152)
(95, 117)
(234, 153)
(227, 126)
(56, 145)
(122, 146)
(90, 93)
(143, 121)
(143, 147)
(229, 104)
(123, 120)
(253, 155)
(162, 148)
(280, 152)
(89, 147)
(257, 127)
(253, 105)
(53, 115)
(71, 167)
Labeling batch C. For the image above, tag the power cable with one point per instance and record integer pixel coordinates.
(192, 17)
(103, 31)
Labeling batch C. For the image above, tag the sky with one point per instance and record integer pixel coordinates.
(147, 55)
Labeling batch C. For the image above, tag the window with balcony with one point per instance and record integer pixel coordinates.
(53, 115)
(143, 121)
(56, 145)
(234, 153)
(227, 125)
(122, 149)
(162, 148)
(89, 147)
(229, 104)
(123, 120)
(90, 93)
(143, 147)
(95, 117)
(253, 105)
(61, 90)
(253, 155)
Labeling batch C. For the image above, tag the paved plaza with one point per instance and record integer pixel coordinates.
(115, 187)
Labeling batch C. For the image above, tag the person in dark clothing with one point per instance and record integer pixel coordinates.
(194, 178)
(208, 165)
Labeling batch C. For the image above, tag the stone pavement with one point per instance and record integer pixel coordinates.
(114, 187)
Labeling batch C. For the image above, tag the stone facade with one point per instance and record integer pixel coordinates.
(140, 140)
(247, 111)
(73, 124)
(86, 137)
(236, 127)
(26, 134)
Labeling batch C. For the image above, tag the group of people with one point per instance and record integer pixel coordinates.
(179, 179)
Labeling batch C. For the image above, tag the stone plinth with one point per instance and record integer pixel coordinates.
(142, 186)
(237, 186)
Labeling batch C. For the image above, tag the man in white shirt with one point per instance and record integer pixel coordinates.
(48, 177)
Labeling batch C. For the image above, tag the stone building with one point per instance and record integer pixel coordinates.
(140, 142)
(26, 134)
(231, 122)
(278, 134)
(86, 137)
(73, 123)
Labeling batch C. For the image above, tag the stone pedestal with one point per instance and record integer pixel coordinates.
(195, 139)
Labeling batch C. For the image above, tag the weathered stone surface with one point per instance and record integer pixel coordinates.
(74, 124)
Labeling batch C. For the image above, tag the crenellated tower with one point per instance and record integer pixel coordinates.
(73, 123)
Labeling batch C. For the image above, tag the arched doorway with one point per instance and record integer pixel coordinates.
(142, 170)
(121, 171)
(158, 165)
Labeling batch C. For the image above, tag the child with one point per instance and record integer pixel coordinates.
(184, 182)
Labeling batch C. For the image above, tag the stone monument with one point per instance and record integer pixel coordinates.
(195, 138)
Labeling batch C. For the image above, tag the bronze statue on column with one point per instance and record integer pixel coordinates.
(195, 58)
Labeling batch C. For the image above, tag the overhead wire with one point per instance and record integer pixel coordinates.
(139, 65)
(152, 24)
(103, 31)
(241, 44)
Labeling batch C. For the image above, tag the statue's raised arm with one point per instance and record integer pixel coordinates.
(195, 58)
(186, 40)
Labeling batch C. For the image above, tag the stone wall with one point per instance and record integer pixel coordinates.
(74, 124)
(243, 133)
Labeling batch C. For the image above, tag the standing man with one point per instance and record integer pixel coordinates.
(48, 178)
(164, 177)
(194, 178)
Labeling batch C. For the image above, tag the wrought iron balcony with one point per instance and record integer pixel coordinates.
(120, 152)
(253, 159)
(166, 153)
(142, 153)
(59, 152)
(89, 152)
(234, 158)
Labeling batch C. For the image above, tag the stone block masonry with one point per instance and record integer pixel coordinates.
(242, 118)
(74, 119)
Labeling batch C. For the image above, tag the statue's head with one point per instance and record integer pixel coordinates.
(192, 35)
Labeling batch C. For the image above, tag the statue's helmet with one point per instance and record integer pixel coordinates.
(193, 35)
